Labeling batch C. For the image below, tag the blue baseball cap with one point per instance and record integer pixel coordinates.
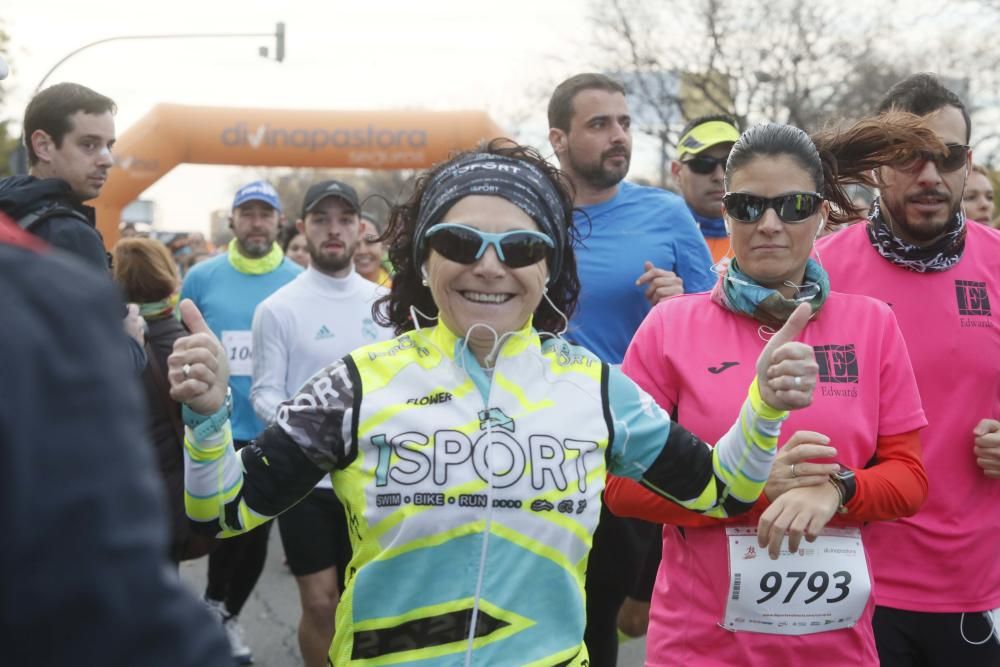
(261, 191)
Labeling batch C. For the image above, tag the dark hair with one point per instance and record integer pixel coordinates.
(922, 94)
(561, 102)
(708, 118)
(407, 289)
(835, 158)
(375, 223)
(285, 235)
(144, 270)
(50, 111)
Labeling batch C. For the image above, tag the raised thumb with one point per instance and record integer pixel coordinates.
(793, 326)
(192, 317)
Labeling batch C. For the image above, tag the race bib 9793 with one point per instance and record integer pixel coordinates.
(822, 586)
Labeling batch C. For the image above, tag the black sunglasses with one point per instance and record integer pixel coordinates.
(466, 245)
(705, 164)
(953, 160)
(792, 208)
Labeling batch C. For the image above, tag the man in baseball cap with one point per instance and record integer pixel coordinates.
(261, 191)
(699, 169)
(320, 191)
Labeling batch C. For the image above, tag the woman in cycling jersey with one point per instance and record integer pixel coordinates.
(470, 452)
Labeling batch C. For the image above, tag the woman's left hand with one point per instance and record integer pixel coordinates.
(804, 511)
(787, 370)
(793, 467)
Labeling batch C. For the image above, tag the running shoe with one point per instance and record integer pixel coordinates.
(237, 645)
(217, 608)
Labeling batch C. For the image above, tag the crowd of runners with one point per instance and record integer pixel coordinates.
(755, 420)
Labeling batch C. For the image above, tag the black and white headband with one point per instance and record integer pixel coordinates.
(519, 182)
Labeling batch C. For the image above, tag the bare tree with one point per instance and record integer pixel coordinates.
(798, 62)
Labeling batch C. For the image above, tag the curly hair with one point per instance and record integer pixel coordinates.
(407, 288)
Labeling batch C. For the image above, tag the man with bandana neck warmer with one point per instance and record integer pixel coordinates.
(227, 290)
(702, 151)
(937, 574)
(640, 245)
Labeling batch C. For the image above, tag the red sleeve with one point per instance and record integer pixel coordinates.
(895, 486)
(627, 498)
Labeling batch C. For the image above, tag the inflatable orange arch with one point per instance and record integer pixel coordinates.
(173, 134)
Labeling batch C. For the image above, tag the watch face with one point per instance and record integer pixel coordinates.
(845, 477)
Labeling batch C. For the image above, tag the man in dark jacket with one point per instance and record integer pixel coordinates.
(83, 572)
(69, 130)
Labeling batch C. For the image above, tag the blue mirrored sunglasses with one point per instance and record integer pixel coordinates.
(466, 245)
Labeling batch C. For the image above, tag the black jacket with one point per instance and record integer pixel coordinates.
(71, 226)
(66, 224)
(84, 578)
(168, 449)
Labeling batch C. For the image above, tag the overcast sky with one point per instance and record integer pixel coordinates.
(381, 54)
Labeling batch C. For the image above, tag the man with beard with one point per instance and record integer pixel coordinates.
(640, 245)
(226, 290)
(312, 321)
(937, 575)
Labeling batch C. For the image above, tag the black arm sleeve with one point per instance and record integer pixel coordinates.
(278, 474)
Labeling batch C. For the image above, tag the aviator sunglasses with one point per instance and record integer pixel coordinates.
(953, 160)
(793, 208)
(705, 164)
(466, 245)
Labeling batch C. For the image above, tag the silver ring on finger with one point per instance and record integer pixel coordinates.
(186, 370)
(793, 471)
(797, 381)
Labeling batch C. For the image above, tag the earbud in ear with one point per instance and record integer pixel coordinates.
(725, 221)
(423, 275)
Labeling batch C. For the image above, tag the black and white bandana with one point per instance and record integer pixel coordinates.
(941, 255)
(517, 181)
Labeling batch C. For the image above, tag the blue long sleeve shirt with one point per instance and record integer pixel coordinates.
(619, 235)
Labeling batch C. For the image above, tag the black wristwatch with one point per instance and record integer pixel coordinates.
(847, 486)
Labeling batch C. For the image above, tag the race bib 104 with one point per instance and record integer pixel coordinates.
(239, 351)
(823, 586)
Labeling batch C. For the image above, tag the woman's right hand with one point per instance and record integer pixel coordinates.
(203, 387)
(791, 470)
(802, 512)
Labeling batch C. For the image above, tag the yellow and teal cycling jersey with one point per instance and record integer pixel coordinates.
(471, 495)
